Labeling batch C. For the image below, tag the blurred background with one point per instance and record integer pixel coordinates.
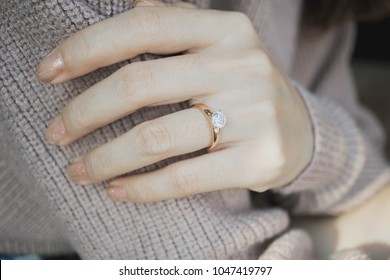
(371, 68)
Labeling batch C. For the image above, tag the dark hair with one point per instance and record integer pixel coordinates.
(323, 14)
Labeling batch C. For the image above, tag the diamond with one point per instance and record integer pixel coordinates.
(218, 119)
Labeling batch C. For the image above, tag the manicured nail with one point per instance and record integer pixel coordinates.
(77, 172)
(56, 131)
(117, 192)
(50, 68)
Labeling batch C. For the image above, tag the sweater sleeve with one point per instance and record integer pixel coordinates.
(347, 165)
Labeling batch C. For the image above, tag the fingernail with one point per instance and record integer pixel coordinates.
(77, 172)
(117, 192)
(56, 131)
(50, 68)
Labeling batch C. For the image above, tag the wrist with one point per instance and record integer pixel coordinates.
(298, 138)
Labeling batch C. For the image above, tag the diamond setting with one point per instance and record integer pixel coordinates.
(218, 119)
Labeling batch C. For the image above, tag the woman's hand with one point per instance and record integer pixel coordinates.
(266, 142)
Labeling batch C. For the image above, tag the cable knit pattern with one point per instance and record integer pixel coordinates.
(41, 211)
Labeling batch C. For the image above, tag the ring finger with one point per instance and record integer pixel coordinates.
(171, 135)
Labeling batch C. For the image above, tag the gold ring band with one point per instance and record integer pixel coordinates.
(217, 120)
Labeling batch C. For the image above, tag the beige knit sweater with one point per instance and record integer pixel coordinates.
(41, 211)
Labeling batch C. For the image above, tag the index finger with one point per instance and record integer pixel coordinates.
(158, 30)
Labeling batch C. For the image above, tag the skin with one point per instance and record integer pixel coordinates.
(268, 139)
(354, 229)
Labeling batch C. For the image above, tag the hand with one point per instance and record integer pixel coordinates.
(266, 143)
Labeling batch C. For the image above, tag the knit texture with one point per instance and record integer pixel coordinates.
(42, 211)
(293, 245)
(349, 254)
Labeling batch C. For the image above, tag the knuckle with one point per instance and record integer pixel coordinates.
(85, 47)
(155, 139)
(239, 18)
(261, 62)
(240, 22)
(184, 180)
(135, 83)
(261, 57)
(148, 21)
(255, 66)
(264, 112)
(129, 85)
(95, 166)
(143, 80)
(75, 116)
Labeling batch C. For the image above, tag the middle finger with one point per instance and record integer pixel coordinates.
(150, 83)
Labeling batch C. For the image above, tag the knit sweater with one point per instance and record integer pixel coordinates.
(42, 211)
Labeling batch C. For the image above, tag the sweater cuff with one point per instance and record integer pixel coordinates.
(330, 154)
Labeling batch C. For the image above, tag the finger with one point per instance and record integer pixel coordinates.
(154, 3)
(174, 134)
(149, 3)
(160, 30)
(206, 173)
(150, 83)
